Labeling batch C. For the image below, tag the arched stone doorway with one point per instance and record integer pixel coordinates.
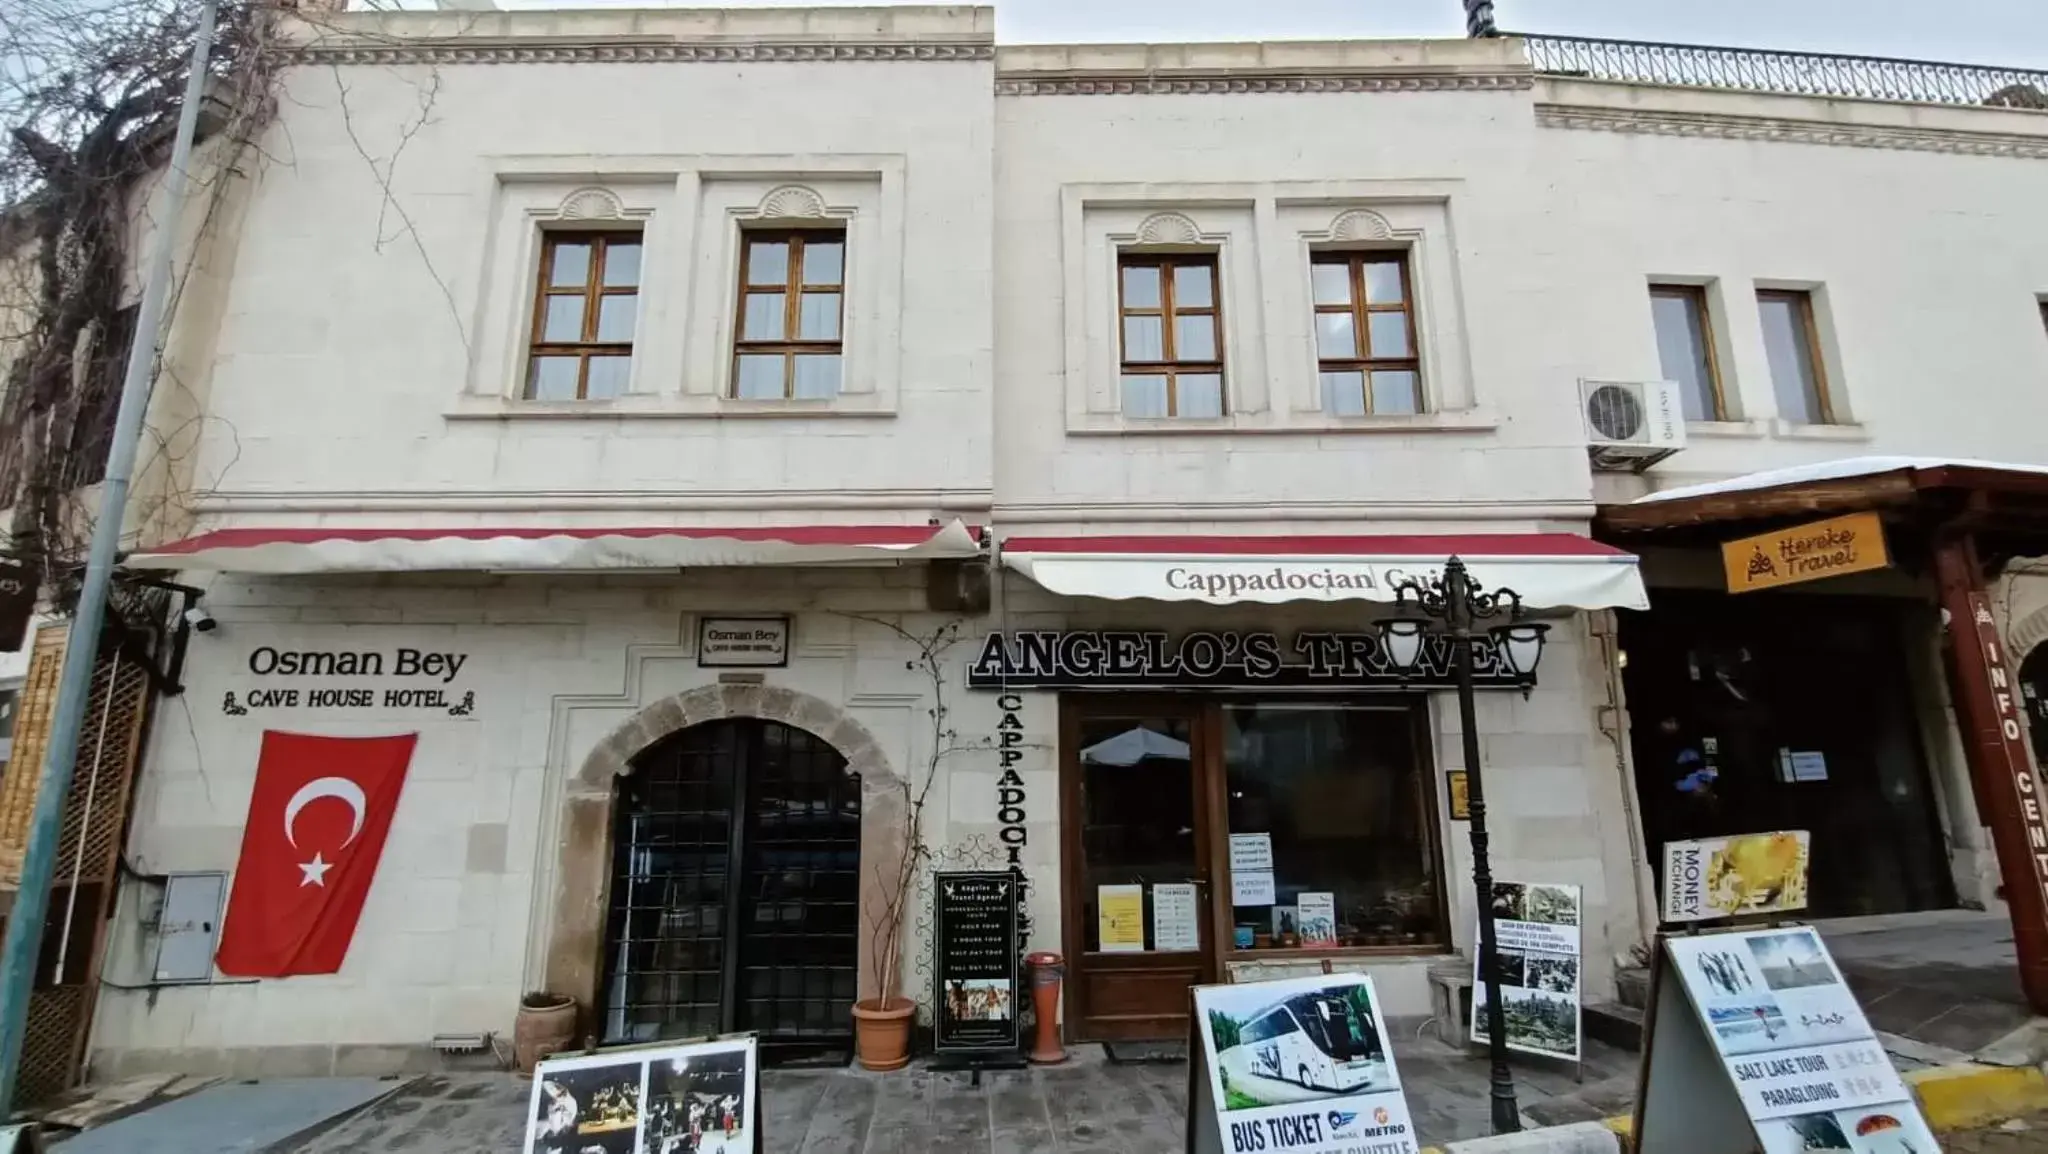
(576, 962)
(734, 889)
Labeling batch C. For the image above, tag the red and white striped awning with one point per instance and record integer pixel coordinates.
(1548, 570)
(359, 549)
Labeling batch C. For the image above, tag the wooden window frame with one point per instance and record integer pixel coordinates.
(1169, 310)
(1698, 295)
(593, 291)
(1363, 362)
(792, 288)
(1810, 335)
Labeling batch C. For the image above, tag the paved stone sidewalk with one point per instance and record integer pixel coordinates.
(1089, 1106)
(2023, 1136)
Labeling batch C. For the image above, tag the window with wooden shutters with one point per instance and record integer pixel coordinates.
(1171, 320)
(1365, 333)
(585, 308)
(792, 302)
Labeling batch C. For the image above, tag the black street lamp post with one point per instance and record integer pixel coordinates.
(1461, 605)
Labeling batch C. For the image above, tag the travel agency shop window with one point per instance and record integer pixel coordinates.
(1233, 798)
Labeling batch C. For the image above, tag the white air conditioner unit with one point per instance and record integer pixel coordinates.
(1631, 425)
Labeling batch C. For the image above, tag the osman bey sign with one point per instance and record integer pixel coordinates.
(1850, 544)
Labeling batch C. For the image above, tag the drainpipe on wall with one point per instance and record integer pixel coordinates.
(1985, 690)
(1612, 719)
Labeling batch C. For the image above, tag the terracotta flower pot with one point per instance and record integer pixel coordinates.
(881, 1032)
(546, 1023)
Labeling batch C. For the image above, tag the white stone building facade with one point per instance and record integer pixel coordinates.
(976, 215)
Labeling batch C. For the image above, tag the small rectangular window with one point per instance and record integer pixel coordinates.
(584, 311)
(1685, 349)
(1170, 321)
(92, 424)
(787, 341)
(1792, 346)
(1365, 333)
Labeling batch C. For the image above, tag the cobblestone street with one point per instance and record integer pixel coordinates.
(2023, 1134)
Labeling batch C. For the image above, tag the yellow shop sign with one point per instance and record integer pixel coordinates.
(1829, 548)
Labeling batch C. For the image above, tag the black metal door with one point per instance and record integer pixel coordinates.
(696, 947)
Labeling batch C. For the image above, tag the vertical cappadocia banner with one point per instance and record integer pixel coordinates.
(315, 832)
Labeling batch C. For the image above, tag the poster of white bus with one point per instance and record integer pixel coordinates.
(1301, 1065)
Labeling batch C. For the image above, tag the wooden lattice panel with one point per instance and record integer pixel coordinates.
(49, 1047)
(31, 737)
(96, 813)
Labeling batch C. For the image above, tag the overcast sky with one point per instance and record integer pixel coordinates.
(2011, 32)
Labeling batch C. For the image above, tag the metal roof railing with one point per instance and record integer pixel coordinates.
(1788, 73)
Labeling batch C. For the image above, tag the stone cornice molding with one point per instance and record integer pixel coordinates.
(476, 50)
(1230, 82)
(1660, 122)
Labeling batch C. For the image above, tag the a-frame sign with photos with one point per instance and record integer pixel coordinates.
(1754, 1042)
(1303, 1066)
(687, 1098)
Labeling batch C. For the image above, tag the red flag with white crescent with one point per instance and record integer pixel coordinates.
(317, 821)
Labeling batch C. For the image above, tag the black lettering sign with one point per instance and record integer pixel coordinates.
(975, 944)
(1121, 659)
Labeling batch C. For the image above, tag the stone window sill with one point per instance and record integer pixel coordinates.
(1115, 425)
(1710, 429)
(667, 406)
(1845, 431)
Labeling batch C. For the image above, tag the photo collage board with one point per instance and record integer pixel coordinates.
(1536, 929)
(696, 1098)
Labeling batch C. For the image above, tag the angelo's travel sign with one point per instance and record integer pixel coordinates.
(1851, 544)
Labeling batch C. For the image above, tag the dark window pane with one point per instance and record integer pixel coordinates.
(759, 377)
(1396, 391)
(615, 317)
(1334, 336)
(552, 379)
(1344, 394)
(607, 377)
(1198, 395)
(1337, 790)
(1331, 283)
(1682, 352)
(1144, 339)
(1144, 395)
(563, 320)
(823, 263)
(764, 320)
(571, 267)
(818, 317)
(767, 262)
(1383, 283)
(621, 265)
(1794, 377)
(1137, 808)
(1389, 334)
(1194, 338)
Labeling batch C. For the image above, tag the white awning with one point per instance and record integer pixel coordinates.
(359, 549)
(1548, 570)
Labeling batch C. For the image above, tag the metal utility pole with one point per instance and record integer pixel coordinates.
(1479, 19)
(32, 901)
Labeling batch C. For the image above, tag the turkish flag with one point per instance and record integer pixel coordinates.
(316, 828)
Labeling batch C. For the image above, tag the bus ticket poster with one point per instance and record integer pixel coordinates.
(1809, 1070)
(1536, 928)
(1302, 1066)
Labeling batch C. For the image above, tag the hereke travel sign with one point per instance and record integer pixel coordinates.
(1294, 1067)
(1830, 548)
(1753, 1040)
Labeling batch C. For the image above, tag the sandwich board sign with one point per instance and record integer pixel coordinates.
(694, 1098)
(1301, 1066)
(1755, 1042)
(1536, 929)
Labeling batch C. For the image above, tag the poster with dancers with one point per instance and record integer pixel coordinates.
(696, 1098)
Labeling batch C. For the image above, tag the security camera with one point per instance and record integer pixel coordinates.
(200, 620)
